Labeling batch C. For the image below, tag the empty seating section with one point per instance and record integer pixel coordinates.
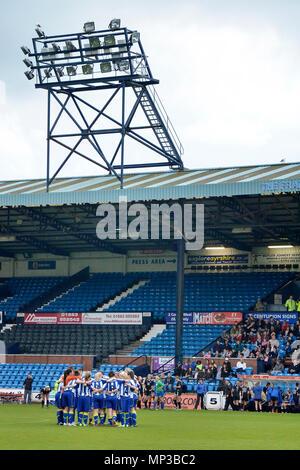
(202, 292)
(91, 293)
(96, 340)
(24, 289)
(13, 375)
(194, 339)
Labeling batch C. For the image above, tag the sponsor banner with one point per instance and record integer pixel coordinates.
(289, 317)
(280, 186)
(292, 256)
(52, 318)
(91, 318)
(207, 318)
(113, 318)
(33, 265)
(222, 259)
(165, 363)
(150, 261)
(188, 401)
(13, 394)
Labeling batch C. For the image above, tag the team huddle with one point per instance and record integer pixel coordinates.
(111, 397)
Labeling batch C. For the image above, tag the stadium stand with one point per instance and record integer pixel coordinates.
(24, 289)
(203, 292)
(92, 293)
(96, 340)
(13, 375)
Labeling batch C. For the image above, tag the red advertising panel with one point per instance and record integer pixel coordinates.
(188, 401)
(217, 318)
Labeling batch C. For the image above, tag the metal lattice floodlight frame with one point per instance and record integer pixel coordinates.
(69, 65)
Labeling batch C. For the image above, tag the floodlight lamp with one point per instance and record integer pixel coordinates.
(48, 73)
(56, 48)
(115, 24)
(109, 41)
(70, 46)
(135, 37)
(25, 50)
(28, 63)
(95, 43)
(71, 71)
(89, 27)
(29, 74)
(105, 67)
(122, 65)
(60, 71)
(87, 69)
(39, 32)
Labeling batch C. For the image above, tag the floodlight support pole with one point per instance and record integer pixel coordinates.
(48, 140)
(179, 299)
(123, 136)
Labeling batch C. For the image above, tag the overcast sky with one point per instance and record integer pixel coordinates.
(229, 74)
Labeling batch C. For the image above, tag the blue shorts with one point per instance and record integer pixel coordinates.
(58, 401)
(84, 404)
(160, 394)
(125, 404)
(111, 402)
(68, 399)
(99, 402)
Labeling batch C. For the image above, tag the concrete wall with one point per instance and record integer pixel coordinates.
(136, 261)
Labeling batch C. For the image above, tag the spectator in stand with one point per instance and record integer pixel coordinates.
(238, 347)
(218, 347)
(295, 368)
(225, 335)
(245, 353)
(199, 370)
(252, 337)
(287, 349)
(178, 369)
(28, 389)
(277, 327)
(267, 325)
(241, 365)
(260, 324)
(169, 382)
(267, 363)
(274, 341)
(278, 366)
(290, 304)
(226, 368)
(233, 331)
(273, 354)
(214, 368)
(259, 306)
(284, 326)
(265, 339)
(189, 373)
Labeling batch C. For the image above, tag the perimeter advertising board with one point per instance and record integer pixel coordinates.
(206, 318)
(91, 318)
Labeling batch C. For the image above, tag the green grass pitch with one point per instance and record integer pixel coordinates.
(29, 427)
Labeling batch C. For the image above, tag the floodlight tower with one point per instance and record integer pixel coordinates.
(70, 65)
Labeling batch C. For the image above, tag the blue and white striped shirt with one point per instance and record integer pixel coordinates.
(109, 386)
(98, 384)
(84, 390)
